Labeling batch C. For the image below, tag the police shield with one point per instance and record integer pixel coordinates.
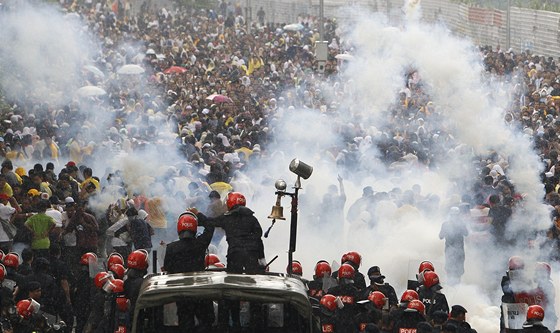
(514, 315)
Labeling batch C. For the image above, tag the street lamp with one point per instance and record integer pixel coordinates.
(302, 170)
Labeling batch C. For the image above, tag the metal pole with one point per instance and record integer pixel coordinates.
(321, 23)
(293, 229)
(508, 25)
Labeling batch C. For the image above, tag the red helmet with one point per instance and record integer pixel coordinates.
(88, 258)
(416, 305)
(2, 272)
(426, 265)
(346, 271)
(27, 307)
(187, 222)
(535, 312)
(118, 271)
(235, 199)
(114, 286)
(409, 295)
(322, 269)
(11, 260)
(377, 298)
(296, 268)
(138, 260)
(430, 279)
(543, 268)
(515, 262)
(115, 258)
(328, 302)
(122, 303)
(100, 279)
(354, 257)
(211, 259)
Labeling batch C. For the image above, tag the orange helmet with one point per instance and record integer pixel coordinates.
(409, 295)
(296, 268)
(138, 260)
(426, 265)
(377, 298)
(515, 263)
(346, 271)
(114, 258)
(354, 257)
(416, 305)
(122, 303)
(211, 259)
(322, 269)
(11, 260)
(430, 279)
(328, 302)
(118, 271)
(100, 279)
(235, 199)
(27, 307)
(88, 258)
(535, 312)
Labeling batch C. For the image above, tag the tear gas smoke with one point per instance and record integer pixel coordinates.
(45, 54)
(470, 116)
(466, 109)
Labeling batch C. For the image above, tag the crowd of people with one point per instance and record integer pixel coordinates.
(213, 90)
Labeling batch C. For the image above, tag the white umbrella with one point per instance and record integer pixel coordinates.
(344, 56)
(96, 71)
(293, 27)
(72, 16)
(90, 91)
(130, 70)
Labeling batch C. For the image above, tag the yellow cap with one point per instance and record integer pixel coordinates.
(33, 192)
(20, 171)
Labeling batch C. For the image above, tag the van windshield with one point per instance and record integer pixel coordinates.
(221, 316)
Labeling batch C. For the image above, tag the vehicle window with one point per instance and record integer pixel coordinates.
(270, 317)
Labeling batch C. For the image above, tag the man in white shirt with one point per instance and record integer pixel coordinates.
(7, 216)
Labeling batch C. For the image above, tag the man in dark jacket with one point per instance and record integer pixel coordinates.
(245, 247)
(535, 316)
(139, 230)
(377, 283)
(187, 255)
(430, 294)
(457, 317)
(243, 234)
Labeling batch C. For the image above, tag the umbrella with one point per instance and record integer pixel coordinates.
(175, 70)
(344, 56)
(130, 70)
(293, 27)
(94, 70)
(219, 98)
(72, 16)
(90, 91)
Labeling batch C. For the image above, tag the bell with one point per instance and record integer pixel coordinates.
(277, 210)
(277, 213)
